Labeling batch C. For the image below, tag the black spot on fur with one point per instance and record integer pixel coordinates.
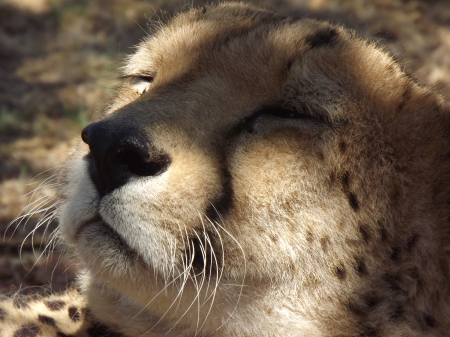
(411, 242)
(342, 146)
(353, 201)
(20, 303)
(100, 330)
(345, 180)
(289, 66)
(356, 309)
(27, 331)
(393, 282)
(74, 314)
(370, 331)
(54, 305)
(320, 155)
(395, 253)
(397, 312)
(371, 301)
(47, 320)
(361, 267)
(429, 320)
(383, 233)
(341, 273)
(392, 67)
(332, 177)
(309, 237)
(2, 314)
(324, 243)
(365, 234)
(322, 38)
(415, 275)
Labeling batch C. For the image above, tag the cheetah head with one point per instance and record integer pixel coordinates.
(257, 175)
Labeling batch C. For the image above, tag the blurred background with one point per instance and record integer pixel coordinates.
(58, 61)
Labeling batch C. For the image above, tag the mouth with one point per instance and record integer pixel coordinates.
(103, 242)
(98, 229)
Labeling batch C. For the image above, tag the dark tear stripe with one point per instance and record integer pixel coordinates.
(325, 37)
(223, 203)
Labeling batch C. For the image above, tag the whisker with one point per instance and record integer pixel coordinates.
(243, 278)
(192, 254)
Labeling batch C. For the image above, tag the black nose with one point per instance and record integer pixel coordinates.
(119, 153)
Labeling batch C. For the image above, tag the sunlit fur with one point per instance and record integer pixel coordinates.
(337, 223)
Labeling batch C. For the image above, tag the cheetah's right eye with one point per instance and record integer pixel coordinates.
(283, 112)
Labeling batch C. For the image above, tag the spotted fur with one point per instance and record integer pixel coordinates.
(256, 176)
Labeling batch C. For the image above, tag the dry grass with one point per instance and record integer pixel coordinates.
(57, 65)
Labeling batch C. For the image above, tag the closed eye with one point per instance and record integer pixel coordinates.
(283, 112)
(140, 83)
(277, 111)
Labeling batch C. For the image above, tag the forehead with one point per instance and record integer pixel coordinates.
(223, 40)
(241, 58)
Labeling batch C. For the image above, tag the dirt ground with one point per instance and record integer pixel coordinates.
(58, 61)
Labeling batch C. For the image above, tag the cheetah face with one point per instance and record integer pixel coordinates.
(244, 152)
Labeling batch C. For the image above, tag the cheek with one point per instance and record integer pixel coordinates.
(286, 168)
(281, 187)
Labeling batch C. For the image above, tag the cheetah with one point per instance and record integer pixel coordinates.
(255, 175)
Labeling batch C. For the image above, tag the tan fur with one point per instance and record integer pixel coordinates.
(333, 224)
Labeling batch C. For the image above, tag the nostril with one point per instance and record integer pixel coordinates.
(119, 153)
(142, 163)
